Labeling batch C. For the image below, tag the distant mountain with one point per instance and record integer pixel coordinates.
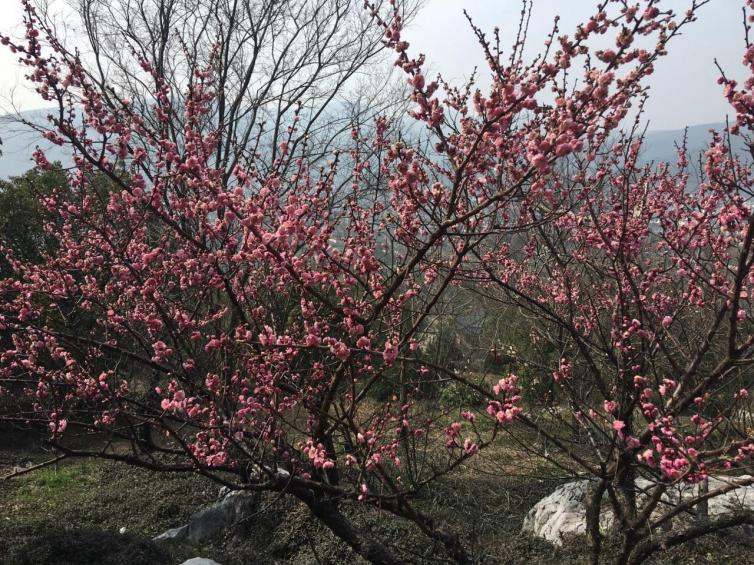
(660, 145)
(18, 144)
(19, 141)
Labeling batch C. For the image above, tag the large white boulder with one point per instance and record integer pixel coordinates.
(562, 513)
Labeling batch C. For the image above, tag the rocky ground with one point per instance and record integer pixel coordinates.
(94, 512)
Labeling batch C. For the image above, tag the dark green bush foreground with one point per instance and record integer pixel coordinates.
(72, 516)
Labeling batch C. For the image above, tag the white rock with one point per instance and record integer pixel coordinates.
(200, 561)
(559, 513)
(563, 513)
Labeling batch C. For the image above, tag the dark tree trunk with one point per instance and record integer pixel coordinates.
(358, 540)
(593, 503)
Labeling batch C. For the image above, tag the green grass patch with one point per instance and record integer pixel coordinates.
(51, 487)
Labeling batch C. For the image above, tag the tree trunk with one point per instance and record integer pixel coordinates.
(593, 504)
(358, 540)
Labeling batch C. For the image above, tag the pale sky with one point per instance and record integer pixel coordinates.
(684, 87)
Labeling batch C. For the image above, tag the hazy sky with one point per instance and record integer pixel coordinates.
(684, 87)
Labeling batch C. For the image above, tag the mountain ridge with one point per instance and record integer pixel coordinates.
(17, 144)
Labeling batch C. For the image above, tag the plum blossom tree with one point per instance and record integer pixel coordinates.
(260, 299)
(643, 284)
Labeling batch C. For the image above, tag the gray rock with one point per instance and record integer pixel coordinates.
(173, 534)
(200, 561)
(232, 508)
(563, 513)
